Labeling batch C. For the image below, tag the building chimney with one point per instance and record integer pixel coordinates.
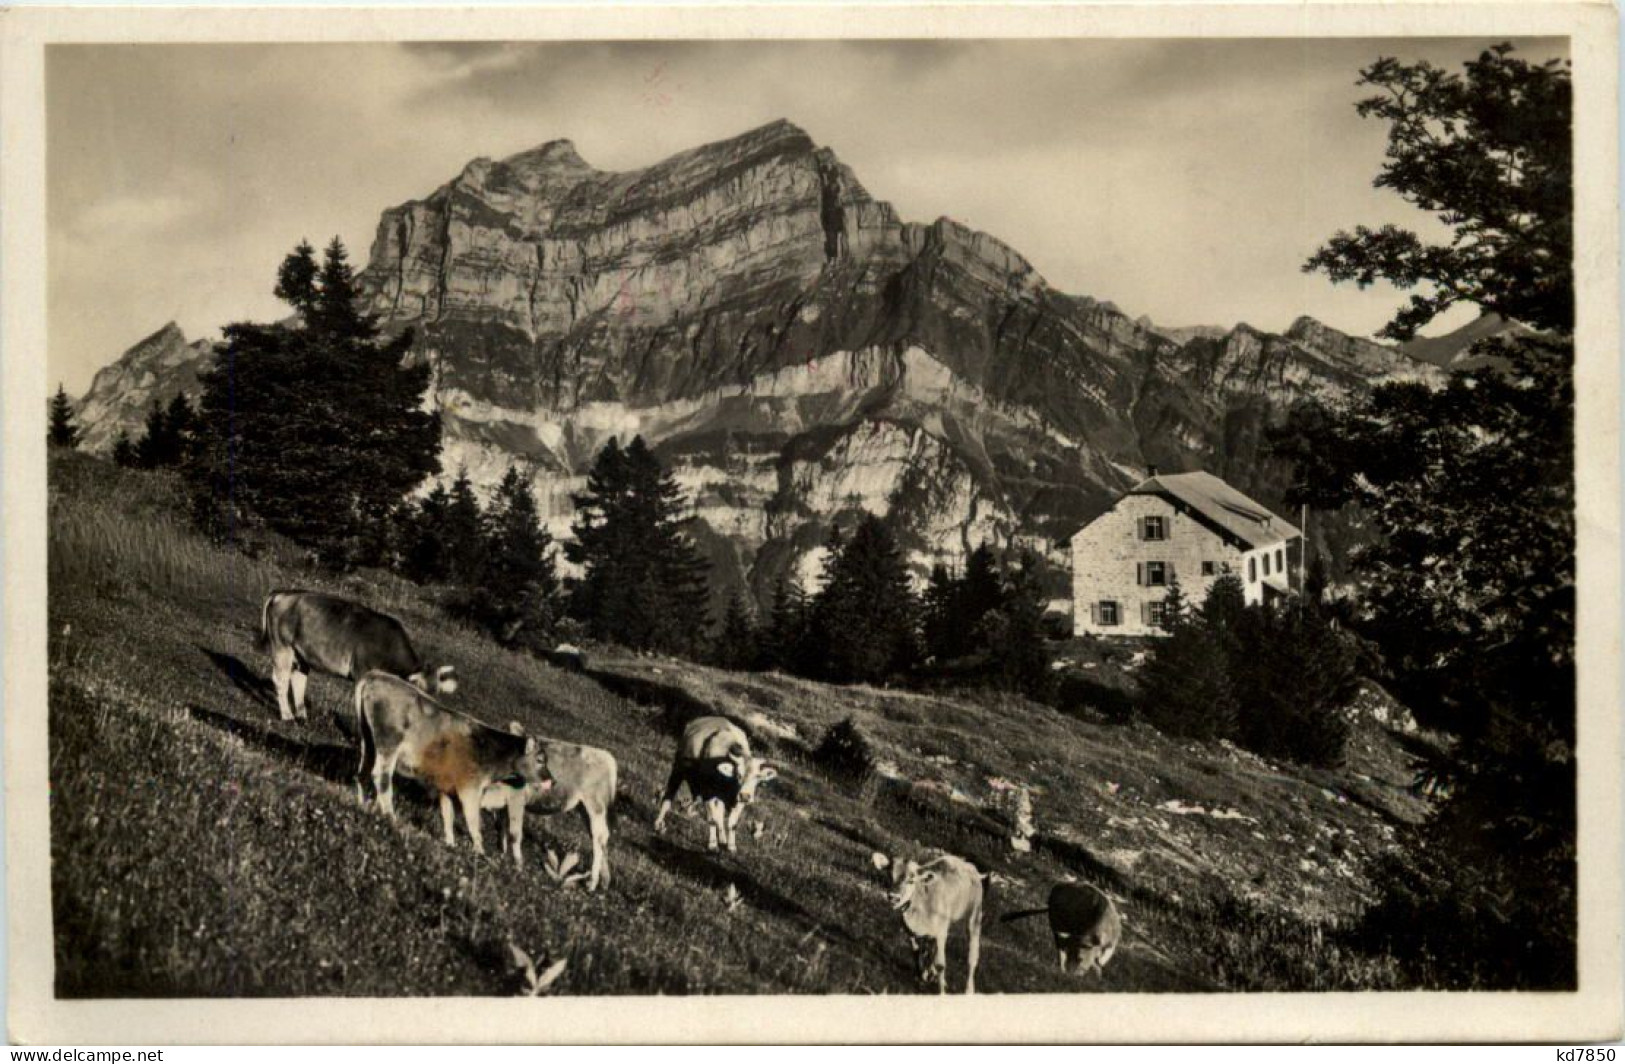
(1150, 471)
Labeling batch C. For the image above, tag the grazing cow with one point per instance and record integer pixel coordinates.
(713, 758)
(578, 777)
(307, 630)
(933, 897)
(1085, 923)
(403, 729)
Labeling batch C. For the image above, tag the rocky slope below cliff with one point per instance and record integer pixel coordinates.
(795, 350)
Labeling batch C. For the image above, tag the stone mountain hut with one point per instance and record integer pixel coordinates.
(1192, 526)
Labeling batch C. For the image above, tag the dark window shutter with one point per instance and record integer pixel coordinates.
(1139, 527)
(1170, 571)
(1139, 573)
(1094, 613)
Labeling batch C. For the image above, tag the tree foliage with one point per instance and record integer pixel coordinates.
(643, 585)
(313, 428)
(1488, 153)
(1469, 591)
(63, 432)
(865, 619)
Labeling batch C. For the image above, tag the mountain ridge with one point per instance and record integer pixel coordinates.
(796, 350)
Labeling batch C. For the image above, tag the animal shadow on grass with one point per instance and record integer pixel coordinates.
(331, 761)
(718, 872)
(258, 688)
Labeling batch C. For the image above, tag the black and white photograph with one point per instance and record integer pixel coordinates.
(864, 517)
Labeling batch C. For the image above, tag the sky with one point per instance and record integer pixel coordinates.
(1186, 180)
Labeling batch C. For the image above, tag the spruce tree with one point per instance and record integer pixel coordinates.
(63, 432)
(735, 646)
(866, 617)
(314, 429)
(783, 644)
(643, 583)
(1022, 662)
(124, 451)
(944, 634)
(1185, 684)
(464, 532)
(516, 594)
(424, 555)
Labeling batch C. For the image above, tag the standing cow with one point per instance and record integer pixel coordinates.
(581, 777)
(1085, 924)
(403, 729)
(307, 630)
(713, 758)
(933, 897)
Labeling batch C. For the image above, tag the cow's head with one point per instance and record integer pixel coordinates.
(1081, 952)
(747, 771)
(442, 681)
(904, 875)
(531, 765)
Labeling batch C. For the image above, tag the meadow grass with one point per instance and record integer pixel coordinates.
(202, 846)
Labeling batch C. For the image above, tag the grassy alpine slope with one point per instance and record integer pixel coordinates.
(203, 847)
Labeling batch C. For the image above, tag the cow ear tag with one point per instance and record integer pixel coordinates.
(727, 769)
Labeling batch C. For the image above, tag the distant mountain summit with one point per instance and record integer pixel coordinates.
(156, 368)
(795, 349)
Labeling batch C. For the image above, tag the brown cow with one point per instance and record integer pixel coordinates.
(307, 630)
(1085, 924)
(403, 729)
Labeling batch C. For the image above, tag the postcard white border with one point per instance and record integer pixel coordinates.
(1592, 1013)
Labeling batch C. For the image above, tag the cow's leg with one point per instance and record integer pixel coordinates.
(516, 826)
(598, 828)
(281, 673)
(447, 817)
(975, 950)
(718, 827)
(368, 753)
(296, 682)
(470, 799)
(1061, 954)
(733, 825)
(941, 962)
(672, 785)
(383, 782)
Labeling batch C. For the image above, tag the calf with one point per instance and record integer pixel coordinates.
(403, 729)
(307, 629)
(713, 758)
(933, 897)
(581, 777)
(1085, 923)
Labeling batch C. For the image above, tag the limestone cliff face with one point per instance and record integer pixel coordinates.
(794, 350)
(120, 394)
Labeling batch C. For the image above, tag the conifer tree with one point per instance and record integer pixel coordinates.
(735, 646)
(944, 634)
(643, 583)
(1185, 684)
(124, 450)
(783, 644)
(1021, 659)
(464, 532)
(424, 554)
(314, 429)
(866, 617)
(516, 594)
(63, 432)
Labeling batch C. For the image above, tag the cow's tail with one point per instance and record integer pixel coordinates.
(1022, 914)
(262, 642)
(369, 745)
